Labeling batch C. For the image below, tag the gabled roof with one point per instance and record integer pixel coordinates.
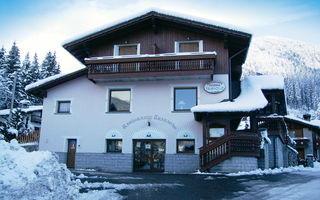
(237, 40)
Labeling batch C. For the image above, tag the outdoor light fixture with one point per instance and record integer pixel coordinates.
(149, 124)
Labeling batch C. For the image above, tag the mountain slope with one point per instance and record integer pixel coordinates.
(298, 62)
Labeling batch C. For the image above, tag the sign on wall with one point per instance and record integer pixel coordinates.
(214, 87)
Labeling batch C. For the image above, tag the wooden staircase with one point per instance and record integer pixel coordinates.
(234, 144)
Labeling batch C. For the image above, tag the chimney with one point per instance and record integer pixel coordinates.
(307, 117)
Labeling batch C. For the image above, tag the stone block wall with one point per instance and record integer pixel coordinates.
(236, 164)
(181, 163)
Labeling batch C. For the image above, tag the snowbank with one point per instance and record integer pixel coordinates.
(299, 168)
(33, 175)
(250, 99)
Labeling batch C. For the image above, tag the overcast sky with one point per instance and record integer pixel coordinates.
(43, 25)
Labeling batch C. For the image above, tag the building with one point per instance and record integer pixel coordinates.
(159, 93)
(306, 134)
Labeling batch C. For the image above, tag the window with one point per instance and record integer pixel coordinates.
(189, 46)
(185, 146)
(114, 146)
(63, 106)
(119, 100)
(184, 98)
(216, 131)
(126, 49)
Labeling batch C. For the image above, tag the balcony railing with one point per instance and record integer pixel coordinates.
(172, 63)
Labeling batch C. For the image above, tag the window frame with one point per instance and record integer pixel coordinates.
(109, 100)
(116, 48)
(177, 48)
(58, 106)
(187, 139)
(174, 98)
(116, 140)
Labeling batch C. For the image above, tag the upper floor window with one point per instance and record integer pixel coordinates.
(185, 98)
(126, 49)
(63, 106)
(189, 46)
(119, 100)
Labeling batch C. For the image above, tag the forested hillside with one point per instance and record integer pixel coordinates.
(297, 62)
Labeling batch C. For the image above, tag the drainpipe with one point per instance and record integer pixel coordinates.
(230, 82)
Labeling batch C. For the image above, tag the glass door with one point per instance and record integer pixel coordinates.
(149, 155)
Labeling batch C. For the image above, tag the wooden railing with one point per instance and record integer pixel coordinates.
(236, 144)
(29, 137)
(151, 64)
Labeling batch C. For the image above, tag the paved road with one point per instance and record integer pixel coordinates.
(194, 186)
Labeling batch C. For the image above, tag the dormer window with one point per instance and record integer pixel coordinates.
(189, 46)
(126, 49)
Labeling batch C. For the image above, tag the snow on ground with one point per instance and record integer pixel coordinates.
(299, 168)
(39, 175)
(33, 175)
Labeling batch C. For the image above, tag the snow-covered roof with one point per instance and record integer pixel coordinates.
(43, 81)
(26, 110)
(153, 55)
(269, 82)
(313, 123)
(55, 80)
(158, 11)
(250, 99)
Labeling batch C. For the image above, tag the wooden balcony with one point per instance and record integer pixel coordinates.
(236, 144)
(166, 65)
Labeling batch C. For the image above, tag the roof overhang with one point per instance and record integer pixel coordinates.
(234, 39)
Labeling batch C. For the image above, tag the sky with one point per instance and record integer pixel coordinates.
(43, 25)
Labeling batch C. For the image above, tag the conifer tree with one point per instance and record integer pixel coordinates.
(49, 66)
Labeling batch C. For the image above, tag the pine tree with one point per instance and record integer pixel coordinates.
(49, 66)
(13, 60)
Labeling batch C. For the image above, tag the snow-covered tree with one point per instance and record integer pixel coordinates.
(49, 66)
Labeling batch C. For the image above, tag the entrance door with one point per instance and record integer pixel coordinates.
(72, 147)
(149, 155)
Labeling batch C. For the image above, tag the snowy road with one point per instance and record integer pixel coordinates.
(294, 185)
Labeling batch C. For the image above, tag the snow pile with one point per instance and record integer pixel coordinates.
(250, 99)
(264, 137)
(33, 175)
(299, 168)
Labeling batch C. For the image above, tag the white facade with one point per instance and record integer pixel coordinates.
(91, 124)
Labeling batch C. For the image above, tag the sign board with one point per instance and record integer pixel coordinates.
(214, 87)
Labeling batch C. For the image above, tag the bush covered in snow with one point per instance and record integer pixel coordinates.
(33, 175)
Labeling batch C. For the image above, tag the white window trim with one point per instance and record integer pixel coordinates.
(116, 48)
(176, 45)
(55, 111)
(131, 88)
(172, 87)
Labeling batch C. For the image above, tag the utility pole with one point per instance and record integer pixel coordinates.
(13, 96)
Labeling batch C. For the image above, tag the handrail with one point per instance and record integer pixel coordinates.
(236, 144)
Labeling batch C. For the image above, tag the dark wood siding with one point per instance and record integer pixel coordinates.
(164, 40)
